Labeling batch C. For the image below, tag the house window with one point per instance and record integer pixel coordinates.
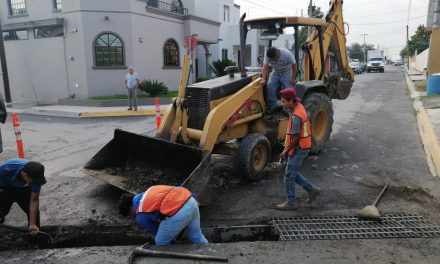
(17, 7)
(15, 35)
(109, 51)
(224, 54)
(49, 31)
(171, 53)
(57, 5)
(226, 13)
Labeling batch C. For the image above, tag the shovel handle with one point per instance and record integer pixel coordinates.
(156, 253)
(380, 195)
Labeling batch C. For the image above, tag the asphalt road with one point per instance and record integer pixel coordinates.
(374, 141)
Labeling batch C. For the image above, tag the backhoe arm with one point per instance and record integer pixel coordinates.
(333, 33)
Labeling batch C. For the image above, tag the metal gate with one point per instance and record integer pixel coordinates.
(350, 227)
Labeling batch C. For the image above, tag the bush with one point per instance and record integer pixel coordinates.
(153, 87)
(202, 79)
(220, 66)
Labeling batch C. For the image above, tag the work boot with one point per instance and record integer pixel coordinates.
(129, 109)
(313, 194)
(287, 206)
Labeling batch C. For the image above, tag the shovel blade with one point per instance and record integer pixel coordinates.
(369, 212)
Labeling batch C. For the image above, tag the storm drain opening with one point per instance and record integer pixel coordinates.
(221, 231)
(350, 227)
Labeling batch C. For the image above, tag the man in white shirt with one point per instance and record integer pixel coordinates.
(131, 83)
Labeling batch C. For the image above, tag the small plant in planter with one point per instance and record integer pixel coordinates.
(220, 66)
(153, 87)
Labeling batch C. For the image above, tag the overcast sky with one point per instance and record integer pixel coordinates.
(383, 20)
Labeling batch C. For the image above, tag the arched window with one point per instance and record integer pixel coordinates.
(171, 53)
(109, 51)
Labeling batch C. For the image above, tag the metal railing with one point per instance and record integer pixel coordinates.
(167, 7)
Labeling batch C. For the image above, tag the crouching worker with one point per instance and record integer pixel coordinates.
(165, 211)
(20, 182)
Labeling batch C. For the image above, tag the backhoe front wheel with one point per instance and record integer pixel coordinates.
(253, 156)
(320, 112)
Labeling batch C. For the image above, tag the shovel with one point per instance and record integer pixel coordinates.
(370, 212)
(44, 239)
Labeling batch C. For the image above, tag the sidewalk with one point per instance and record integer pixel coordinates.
(81, 111)
(428, 119)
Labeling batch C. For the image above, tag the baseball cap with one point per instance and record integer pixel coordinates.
(36, 172)
(290, 93)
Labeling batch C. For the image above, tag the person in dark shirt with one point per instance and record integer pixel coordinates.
(20, 182)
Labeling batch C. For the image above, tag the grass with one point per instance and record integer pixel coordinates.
(170, 94)
(420, 86)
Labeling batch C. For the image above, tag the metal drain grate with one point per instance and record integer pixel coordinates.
(350, 227)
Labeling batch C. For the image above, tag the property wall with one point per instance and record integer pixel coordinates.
(36, 67)
(421, 61)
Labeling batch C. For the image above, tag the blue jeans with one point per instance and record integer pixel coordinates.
(293, 175)
(187, 217)
(273, 85)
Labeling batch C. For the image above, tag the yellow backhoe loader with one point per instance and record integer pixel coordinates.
(227, 115)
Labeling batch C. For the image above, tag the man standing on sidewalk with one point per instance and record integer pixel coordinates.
(283, 74)
(132, 83)
(297, 147)
(20, 182)
(165, 211)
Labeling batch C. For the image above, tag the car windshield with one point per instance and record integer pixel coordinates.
(376, 59)
(353, 64)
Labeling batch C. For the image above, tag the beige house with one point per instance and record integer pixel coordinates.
(433, 25)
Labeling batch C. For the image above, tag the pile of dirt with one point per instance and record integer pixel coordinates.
(145, 176)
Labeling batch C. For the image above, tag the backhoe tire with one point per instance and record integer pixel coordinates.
(320, 112)
(253, 155)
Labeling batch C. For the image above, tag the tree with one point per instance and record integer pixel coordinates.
(404, 53)
(356, 50)
(418, 42)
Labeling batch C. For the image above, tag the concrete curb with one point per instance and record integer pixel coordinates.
(426, 130)
(67, 114)
(111, 103)
(120, 113)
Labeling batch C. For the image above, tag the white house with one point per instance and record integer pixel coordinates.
(81, 48)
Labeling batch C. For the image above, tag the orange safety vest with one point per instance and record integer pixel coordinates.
(163, 198)
(305, 139)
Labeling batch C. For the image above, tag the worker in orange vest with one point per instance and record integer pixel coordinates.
(165, 211)
(297, 146)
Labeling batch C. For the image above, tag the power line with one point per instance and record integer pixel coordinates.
(389, 13)
(389, 22)
(364, 4)
(265, 7)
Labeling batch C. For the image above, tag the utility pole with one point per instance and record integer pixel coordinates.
(407, 40)
(4, 67)
(407, 33)
(365, 49)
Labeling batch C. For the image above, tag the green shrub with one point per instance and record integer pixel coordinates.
(202, 79)
(220, 66)
(153, 87)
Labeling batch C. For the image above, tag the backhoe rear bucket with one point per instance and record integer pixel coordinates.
(134, 162)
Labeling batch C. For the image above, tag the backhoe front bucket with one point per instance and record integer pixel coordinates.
(134, 162)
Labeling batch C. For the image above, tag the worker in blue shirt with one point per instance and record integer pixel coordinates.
(20, 182)
(165, 211)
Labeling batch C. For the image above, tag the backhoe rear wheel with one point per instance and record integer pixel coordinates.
(320, 112)
(253, 156)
